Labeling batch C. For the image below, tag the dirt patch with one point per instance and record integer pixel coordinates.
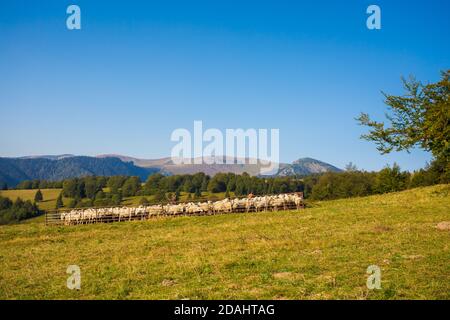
(381, 228)
(414, 257)
(444, 225)
(283, 275)
(168, 283)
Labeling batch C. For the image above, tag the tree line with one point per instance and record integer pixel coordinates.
(355, 183)
(14, 211)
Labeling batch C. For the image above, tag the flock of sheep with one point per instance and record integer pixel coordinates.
(250, 204)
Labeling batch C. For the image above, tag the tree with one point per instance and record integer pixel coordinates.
(116, 199)
(5, 203)
(152, 185)
(38, 196)
(19, 210)
(91, 186)
(115, 183)
(131, 186)
(419, 118)
(73, 188)
(160, 196)
(59, 202)
(391, 179)
(100, 195)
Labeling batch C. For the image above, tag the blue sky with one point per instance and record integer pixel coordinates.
(136, 71)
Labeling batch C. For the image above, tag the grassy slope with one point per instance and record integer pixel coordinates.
(321, 252)
(49, 195)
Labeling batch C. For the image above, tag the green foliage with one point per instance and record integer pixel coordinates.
(343, 185)
(160, 196)
(418, 118)
(92, 185)
(100, 195)
(116, 199)
(144, 201)
(73, 203)
(115, 183)
(39, 184)
(38, 196)
(218, 183)
(74, 188)
(59, 202)
(131, 186)
(391, 179)
(336, 185)
(436, 172)
(13, 212)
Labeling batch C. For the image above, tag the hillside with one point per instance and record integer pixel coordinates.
(14, 170)
(59, 167)
(317, 253)
(302, 166)
(305, 166)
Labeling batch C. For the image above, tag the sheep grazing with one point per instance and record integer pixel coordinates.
(249, 204)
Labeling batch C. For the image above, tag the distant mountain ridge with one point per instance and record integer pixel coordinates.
(302, 166)
(15, 170)
(59, 167)
(305, 166)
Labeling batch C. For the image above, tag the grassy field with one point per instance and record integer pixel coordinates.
(317, 253)
(49, 195)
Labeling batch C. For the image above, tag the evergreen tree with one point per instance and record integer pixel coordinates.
(38, 196)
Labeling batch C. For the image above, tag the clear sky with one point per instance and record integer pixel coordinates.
(136, 71)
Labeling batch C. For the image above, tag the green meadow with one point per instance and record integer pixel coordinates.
(321, 252)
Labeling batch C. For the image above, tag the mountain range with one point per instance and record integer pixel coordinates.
(59, 167)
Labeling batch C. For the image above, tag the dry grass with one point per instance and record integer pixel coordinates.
(318, 253)
(50, 196)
